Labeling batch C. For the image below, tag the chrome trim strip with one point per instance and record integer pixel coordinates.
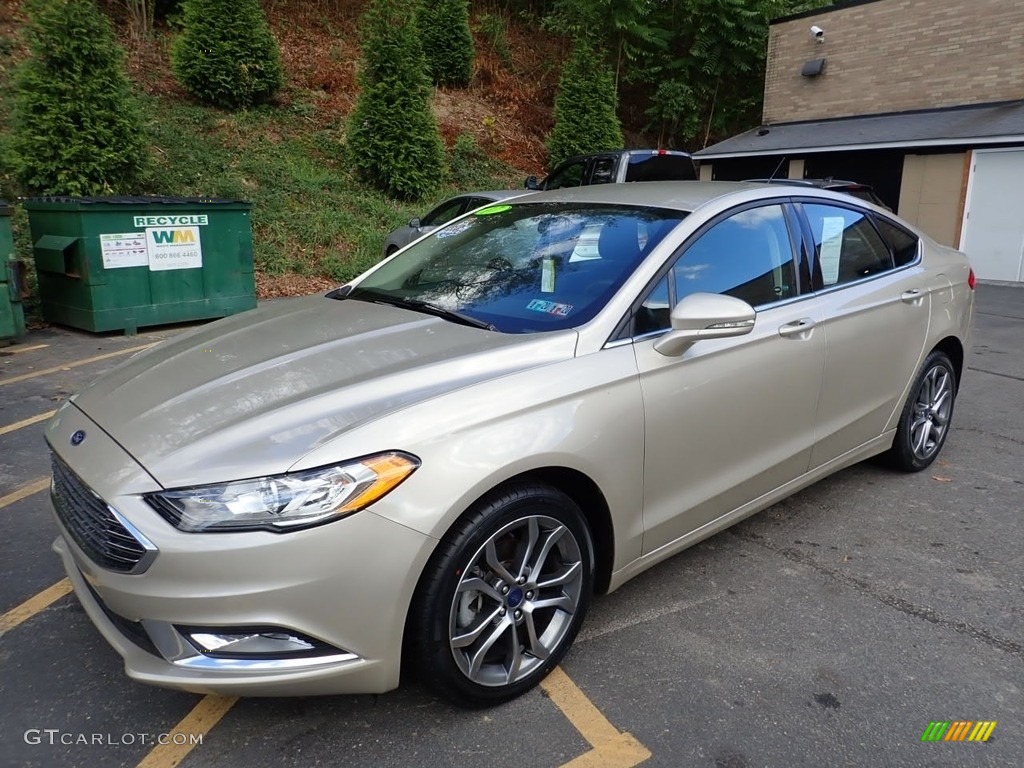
(211, 664)
(180, 652)
(151, 549)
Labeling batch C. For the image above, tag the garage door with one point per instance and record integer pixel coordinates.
(993, 235)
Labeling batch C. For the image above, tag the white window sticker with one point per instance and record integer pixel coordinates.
(832, 228)
(174, 248)
(124, 250)
(547, 276)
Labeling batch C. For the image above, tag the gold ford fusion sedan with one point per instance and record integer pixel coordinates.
(441, 462)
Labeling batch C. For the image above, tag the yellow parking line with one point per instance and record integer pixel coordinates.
(204, 715)
(27, 349)
(34, 605)
(611, 748)
(75, 364)
(37, 485)
(26, 422)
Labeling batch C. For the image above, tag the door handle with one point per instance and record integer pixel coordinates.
(913, 296)
(800, 328)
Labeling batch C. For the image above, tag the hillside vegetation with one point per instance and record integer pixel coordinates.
(314, 224)
(682, 72)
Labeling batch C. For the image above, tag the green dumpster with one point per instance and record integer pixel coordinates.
(120, 263)
(12, 282)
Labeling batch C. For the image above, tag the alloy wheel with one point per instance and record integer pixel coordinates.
(515, 600)
(932, 409)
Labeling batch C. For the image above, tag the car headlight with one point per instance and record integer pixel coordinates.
(285, 502)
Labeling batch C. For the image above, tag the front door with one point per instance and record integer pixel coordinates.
(731, 419)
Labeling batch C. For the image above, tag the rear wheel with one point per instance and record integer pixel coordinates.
(503, 597)
(924, 423)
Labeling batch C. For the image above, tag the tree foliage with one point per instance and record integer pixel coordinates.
(226, 56)
(447, 41)
(392, 138)
(695, 67)
(77, 126)
(585, 107)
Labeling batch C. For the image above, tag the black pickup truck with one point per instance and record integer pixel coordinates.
(618, 166)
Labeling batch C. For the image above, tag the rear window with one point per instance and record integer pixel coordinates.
(660, 168)
(903, 244)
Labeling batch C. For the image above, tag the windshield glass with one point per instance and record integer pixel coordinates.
(523, 268)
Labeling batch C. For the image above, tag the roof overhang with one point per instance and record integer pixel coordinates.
(980, 125)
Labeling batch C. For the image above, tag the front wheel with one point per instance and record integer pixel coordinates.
(924, 423)
(503, 597)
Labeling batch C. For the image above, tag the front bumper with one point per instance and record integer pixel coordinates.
(345, 585)
(358, 607)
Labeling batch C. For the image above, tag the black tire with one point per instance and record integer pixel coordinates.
(392, 249)
(922, 431)
(443, 616)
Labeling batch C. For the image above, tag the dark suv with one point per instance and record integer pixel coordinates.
(618, 166)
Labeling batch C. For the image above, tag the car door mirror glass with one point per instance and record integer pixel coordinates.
(532, 183)
(705, 316)
(414, 222)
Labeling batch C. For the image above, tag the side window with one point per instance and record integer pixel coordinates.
(444, 213)
(847, 247)
(603, 171)
(570, 175)
(748, 255)
(904, 245)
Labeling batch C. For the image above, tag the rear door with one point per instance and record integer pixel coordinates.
(876, 323)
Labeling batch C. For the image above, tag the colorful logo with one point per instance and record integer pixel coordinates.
(175, 236)
(958, 730)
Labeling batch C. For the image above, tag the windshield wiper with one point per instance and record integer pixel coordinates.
(421, 306)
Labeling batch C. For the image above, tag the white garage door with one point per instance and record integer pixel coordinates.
(993, 234)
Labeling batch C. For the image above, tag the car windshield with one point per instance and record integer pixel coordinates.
(522, 268)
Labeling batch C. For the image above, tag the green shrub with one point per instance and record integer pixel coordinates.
(447, 41)
(585, 118)
(392, 139)
(226, 55)
(77, 126)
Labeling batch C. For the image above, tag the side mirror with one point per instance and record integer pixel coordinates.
(705, 316)
(532, 183)
(414, 222)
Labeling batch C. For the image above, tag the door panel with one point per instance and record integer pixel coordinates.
(875, 328)
(729, 421)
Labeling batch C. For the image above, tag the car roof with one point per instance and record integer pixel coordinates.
(677, 195)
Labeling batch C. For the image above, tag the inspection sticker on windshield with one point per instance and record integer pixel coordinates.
(550, 307)
(493, 209)
(455, 229)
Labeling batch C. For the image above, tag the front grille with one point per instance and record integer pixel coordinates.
(91, 523)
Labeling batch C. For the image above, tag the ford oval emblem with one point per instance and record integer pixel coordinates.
(78, 438)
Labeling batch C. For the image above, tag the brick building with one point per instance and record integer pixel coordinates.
(922, 99)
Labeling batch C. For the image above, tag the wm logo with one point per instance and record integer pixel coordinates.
(958, 730)
(173, 236)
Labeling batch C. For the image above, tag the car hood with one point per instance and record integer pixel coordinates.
(250, 395)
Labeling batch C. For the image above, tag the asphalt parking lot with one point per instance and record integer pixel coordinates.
(829, 630)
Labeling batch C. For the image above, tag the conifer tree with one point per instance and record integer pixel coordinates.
(226, 56)
(77, 127)
(447, 41)
(585, 107)
(392, 138)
